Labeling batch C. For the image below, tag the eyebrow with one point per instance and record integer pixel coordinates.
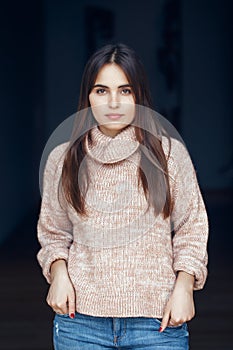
(106, 87)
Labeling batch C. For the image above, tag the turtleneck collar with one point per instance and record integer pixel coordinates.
(106, 149)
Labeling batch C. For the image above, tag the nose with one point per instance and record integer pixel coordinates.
(113, 100)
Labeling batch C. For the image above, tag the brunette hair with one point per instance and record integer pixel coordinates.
(153, 170)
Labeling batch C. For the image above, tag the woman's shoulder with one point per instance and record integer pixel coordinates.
(58, 153)
(175, 149)
(179, 161)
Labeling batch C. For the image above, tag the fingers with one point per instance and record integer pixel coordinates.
(71, 303)
(71, 306)
(165, 320)
(175, 323)
(58, 307)
(172, 323)
(168, 321)
(61, 297)
(64, 304)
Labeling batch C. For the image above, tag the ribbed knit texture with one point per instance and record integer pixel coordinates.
(123, 260)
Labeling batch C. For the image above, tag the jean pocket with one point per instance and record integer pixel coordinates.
(157, 320)
(62, 315)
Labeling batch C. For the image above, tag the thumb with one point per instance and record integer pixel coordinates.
(165, 320)
(71, 305)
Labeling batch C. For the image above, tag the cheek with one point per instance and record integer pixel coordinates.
(132, 111)
(131, 107)
(131, 102)
(91, 100)
(97, 100)
(98, 110)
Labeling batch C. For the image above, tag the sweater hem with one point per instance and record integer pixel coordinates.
(127, 305)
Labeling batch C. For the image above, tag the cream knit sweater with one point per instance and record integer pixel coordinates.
(122, 260)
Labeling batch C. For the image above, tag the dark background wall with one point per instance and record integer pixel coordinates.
(45, 46)
(21, 110)
(186, 47)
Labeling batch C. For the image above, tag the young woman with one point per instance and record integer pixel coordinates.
(123, 227)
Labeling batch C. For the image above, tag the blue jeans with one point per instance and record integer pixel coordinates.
(95, 333)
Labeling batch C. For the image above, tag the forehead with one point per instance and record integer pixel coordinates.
(110, 75)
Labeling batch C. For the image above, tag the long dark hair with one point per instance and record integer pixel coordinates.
(153, 170)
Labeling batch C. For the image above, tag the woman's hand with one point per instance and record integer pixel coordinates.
(61, 295)
(180, 307)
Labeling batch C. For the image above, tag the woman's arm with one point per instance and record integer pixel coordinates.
(189, 218)
(180, 307)
(190, 225)
(55, 234)
(54, 228)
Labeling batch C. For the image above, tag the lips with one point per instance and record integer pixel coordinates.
(114, 115)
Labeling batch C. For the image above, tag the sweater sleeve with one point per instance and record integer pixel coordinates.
(54, 229)
(189, 220)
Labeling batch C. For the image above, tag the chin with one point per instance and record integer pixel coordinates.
(115, 125)
(112, 129)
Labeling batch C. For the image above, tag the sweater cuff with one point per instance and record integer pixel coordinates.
(197, 269)
(47, 261)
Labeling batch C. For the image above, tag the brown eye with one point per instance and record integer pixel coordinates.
(100, 91)
(126, 91)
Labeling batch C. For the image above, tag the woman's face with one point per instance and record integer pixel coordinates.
(112, 100)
